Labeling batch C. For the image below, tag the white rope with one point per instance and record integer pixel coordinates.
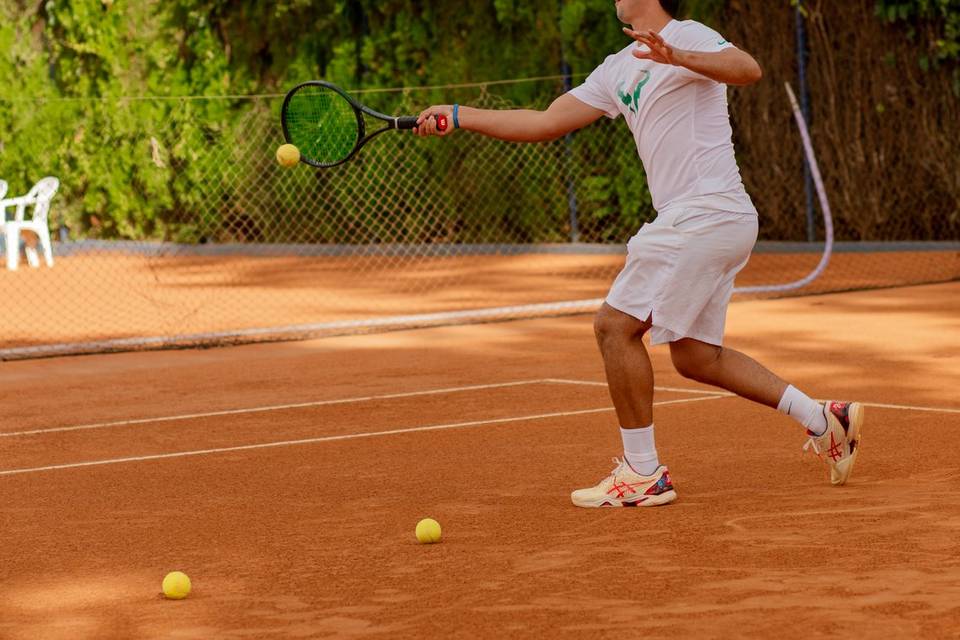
(824, 204)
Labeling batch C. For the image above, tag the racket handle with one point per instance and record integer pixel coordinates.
(410, 122)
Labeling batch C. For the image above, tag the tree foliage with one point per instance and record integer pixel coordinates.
(940, 18)
(73, 71)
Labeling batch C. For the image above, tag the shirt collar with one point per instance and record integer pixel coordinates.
(670, 26)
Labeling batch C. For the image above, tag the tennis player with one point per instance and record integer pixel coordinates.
(670, 84)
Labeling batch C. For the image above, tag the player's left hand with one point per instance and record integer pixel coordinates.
(657, 48)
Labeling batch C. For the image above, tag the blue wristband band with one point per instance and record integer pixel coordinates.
(456, 116)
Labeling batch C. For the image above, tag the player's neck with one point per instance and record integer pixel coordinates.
(653, 19)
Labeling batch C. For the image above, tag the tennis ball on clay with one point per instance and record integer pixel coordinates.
(176, 585)
(288, 155)
(428, 531)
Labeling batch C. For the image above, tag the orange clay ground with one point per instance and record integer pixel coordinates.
(290, 485)
(116, 296)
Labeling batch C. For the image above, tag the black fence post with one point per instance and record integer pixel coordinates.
(568, 142)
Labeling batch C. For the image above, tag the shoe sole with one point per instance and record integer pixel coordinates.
(651, 501)
(841, 473)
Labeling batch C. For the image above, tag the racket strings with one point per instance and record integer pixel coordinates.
(322, 124)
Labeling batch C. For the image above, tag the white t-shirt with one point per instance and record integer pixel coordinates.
(679, 120)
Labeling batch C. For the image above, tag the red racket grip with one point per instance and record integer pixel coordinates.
(441, 122)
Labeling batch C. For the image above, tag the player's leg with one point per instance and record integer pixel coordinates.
(729, 369)
(639, 479)
(834, 428)
(627, 365)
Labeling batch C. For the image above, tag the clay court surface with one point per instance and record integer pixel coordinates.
(104, 296)
(286, 480)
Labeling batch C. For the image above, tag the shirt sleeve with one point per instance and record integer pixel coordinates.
(595, 91)
(699, 37)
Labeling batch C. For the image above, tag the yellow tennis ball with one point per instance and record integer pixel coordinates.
(288, 155)
(428, 531)
(176, 585)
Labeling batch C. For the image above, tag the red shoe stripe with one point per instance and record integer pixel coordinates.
(835, 450)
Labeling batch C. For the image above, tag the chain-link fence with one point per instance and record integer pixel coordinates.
(174, 224)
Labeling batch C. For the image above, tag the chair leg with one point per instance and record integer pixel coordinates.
(33, 259)
(13, 247)
(44, 234)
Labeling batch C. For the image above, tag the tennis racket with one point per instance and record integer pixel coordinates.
(328, 126)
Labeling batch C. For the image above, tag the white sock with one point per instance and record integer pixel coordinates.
(640, 450)
(804, 410)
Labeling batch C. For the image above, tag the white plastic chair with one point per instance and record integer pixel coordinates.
(39, 198)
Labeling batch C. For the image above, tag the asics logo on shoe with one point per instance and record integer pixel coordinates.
(835, 450)
(623, 488)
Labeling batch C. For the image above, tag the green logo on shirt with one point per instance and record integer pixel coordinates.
(722, 42)
(632, 100)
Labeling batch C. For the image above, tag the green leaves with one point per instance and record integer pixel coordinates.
(117, 183)
(939, 19)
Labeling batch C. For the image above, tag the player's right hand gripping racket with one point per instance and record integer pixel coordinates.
(328, 126)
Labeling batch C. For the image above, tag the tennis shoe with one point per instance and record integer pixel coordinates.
(624, 487)
(840, 443)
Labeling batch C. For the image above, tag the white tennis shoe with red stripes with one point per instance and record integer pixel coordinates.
(840, 443)
(624, 487)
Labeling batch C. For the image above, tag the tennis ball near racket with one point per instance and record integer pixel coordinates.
(288, 155)
(428, 531)
(176, 585)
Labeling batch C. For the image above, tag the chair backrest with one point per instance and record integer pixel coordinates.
(3, 188)
(40, 196)
(44, 189)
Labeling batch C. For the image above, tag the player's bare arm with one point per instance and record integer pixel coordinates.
(730, 66)
(564, 115)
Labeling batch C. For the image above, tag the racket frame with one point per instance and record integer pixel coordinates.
(393, 122)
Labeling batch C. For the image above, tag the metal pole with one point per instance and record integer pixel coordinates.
(805, 109)
(568, 150)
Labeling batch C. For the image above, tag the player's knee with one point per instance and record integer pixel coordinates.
(612, 325)
(602, 327)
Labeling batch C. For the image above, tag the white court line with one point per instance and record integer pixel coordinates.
(349, 436)
(277, 407)
(910, 407)
(321, 403)
(906, 407)
(592, 383)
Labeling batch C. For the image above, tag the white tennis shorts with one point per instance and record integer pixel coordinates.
(680, 270)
